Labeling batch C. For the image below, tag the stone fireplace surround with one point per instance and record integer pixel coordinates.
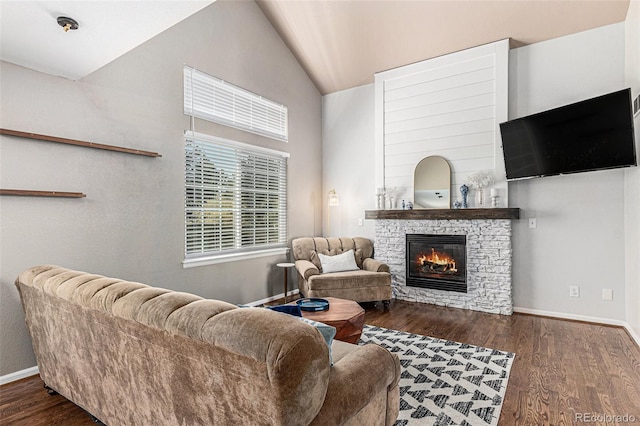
(489, 254)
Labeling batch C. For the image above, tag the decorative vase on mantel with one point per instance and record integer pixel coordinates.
(480, 198)
(464, 190)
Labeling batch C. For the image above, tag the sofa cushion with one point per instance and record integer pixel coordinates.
(189, 319)
(349, 279)
(340, 349)
(328, 333)
(338, 263)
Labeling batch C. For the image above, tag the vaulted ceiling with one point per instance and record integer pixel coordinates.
(340, 43)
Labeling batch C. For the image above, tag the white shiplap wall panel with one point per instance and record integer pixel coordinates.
(408, 159)
(460, 92)
(467, 103)
(441, 120)
(449, 106)
(459, 129)
(441, 72)
(443, 144)
(431, 86)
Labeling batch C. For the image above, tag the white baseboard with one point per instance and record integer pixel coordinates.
(585, 318)
(12, 377)
(632, 333)
(272, 298)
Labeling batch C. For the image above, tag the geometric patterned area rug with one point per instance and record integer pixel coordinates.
(444, 382)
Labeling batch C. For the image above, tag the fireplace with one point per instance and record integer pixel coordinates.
(437, 262)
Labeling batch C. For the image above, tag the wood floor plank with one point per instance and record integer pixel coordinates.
(561, 369)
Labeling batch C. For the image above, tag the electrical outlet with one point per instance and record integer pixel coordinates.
(607, 294)
(574, 291)
(533, 222)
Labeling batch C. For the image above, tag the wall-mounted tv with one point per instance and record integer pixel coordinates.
(589, 135)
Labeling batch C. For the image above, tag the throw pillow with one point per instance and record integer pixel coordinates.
(327, 331)
(338, 263)
(287, 309)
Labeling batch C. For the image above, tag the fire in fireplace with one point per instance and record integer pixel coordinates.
(437, 262)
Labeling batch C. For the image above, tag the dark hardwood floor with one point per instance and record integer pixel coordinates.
(562, 369)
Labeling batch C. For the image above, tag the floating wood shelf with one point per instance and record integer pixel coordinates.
(31, 193)
(449, 214)
(56, 139)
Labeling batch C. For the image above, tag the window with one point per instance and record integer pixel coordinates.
(209, 98)
(235, 198)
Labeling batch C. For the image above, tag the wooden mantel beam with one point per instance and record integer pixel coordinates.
(450, 214)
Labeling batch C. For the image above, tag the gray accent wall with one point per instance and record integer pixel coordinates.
(131, 225)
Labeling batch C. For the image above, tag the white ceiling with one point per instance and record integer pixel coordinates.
(30, 35)
(340, 43)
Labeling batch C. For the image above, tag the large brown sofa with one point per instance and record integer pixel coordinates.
(370, 282)
(131, 354)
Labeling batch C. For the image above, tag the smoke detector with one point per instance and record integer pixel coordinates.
(67, 23)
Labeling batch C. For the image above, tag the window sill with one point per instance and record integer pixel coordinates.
(224, 258)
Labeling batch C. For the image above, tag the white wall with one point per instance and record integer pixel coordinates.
(131, 223)
(348, 160)
(579, 239)
(632, 176)
(581, 218)
(450, 106)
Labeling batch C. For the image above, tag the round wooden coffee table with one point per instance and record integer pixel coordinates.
(345, 315)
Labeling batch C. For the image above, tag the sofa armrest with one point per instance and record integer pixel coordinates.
(306, 269)
(355, 379)
(373, 265)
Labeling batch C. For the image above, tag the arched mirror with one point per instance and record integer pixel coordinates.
(432, 184)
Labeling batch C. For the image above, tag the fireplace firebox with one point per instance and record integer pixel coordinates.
(437, 262)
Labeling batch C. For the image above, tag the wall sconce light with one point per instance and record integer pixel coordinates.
(67, 23)
(334, 201)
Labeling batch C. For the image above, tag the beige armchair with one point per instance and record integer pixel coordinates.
(369, 283)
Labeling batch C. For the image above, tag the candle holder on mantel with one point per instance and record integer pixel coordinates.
(380, 201)
(393, 195)
(494, 197)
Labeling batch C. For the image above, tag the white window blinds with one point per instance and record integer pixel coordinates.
(236, 197)
(212, 99)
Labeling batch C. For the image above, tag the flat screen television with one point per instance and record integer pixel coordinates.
(594, 134)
